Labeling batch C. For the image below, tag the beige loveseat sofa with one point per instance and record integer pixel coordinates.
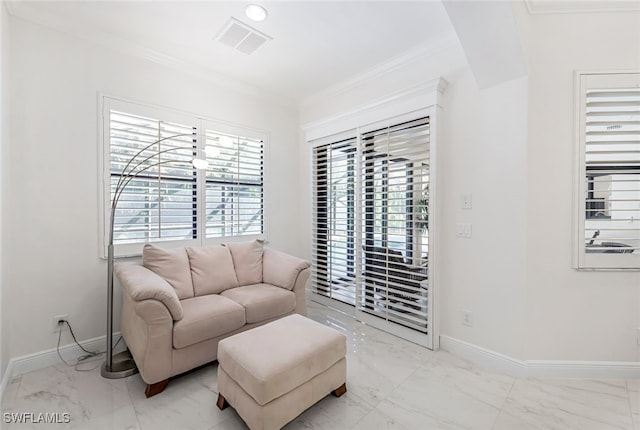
(179, 303)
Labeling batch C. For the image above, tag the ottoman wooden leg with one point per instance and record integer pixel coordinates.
(339, 391)
(222, 402)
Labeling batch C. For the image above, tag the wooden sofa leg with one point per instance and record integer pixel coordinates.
(157, 388)
(222, 402)
(340, 390)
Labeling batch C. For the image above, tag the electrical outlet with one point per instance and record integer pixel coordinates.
(467, 318)
(638, 336)
(57, 327)
(465, 201)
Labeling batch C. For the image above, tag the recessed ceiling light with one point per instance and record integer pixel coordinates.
(255, 12)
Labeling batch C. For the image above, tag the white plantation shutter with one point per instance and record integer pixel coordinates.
(159, 204)
(610, 171)
(334, 221)
(370, 236)
(172, 201)
(234, 185)
(395, 178)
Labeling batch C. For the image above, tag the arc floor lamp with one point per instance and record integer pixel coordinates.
(122, 365)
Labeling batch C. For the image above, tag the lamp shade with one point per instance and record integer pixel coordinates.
(200, 163)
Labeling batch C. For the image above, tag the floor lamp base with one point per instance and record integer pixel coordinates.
(122, 365)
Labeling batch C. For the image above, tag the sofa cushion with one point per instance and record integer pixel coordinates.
(247, 261)
(262, 301)
(211, 269)
(172, 265)
(206, 317)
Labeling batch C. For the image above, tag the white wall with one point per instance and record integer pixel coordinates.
(51, 208)
(4, 127)
(571, 315)
(511, 147)
(481, 151)
(483, 154)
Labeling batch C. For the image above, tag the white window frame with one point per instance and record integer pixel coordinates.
(583, 260)
(106, 103)
(355, 261)
(417, 102)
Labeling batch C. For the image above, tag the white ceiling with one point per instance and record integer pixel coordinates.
(316, 44)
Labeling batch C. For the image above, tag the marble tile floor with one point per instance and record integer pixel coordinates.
(392, 384)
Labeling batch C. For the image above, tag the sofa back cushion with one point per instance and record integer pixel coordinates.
(247, 261)
(172, 265)
(211, 270)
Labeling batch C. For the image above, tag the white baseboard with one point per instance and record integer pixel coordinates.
(39, 360)
(583, 369)
(484, 357)
(7, 377)
(540, 368)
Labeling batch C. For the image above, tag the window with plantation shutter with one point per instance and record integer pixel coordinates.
(234, 185)
(609, 171)
(160, 203)
(168, 200)
(371, 224)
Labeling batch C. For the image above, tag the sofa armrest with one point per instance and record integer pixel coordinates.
(141, 284)
(280, 269)
(147, 328)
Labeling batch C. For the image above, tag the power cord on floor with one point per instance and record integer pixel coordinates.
(82, 358)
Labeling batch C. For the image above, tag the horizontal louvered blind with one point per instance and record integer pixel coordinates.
(334, 252)
(234, 185)
(395, 178)
(160, 203)
(164, 198)
(370, 237)
(612, 167)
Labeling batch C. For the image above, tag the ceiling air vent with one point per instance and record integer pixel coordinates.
(241, 37)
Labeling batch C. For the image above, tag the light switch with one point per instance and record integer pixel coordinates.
(465, 201)
(464, 230)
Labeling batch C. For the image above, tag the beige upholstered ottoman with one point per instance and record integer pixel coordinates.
(271, 374)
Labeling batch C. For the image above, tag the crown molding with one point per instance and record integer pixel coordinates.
(540, 7)
(412, 99)
(136, 50)
(190, 68)
(398, 62)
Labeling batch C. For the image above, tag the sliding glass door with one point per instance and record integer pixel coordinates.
(371, 226)
(334, 232)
